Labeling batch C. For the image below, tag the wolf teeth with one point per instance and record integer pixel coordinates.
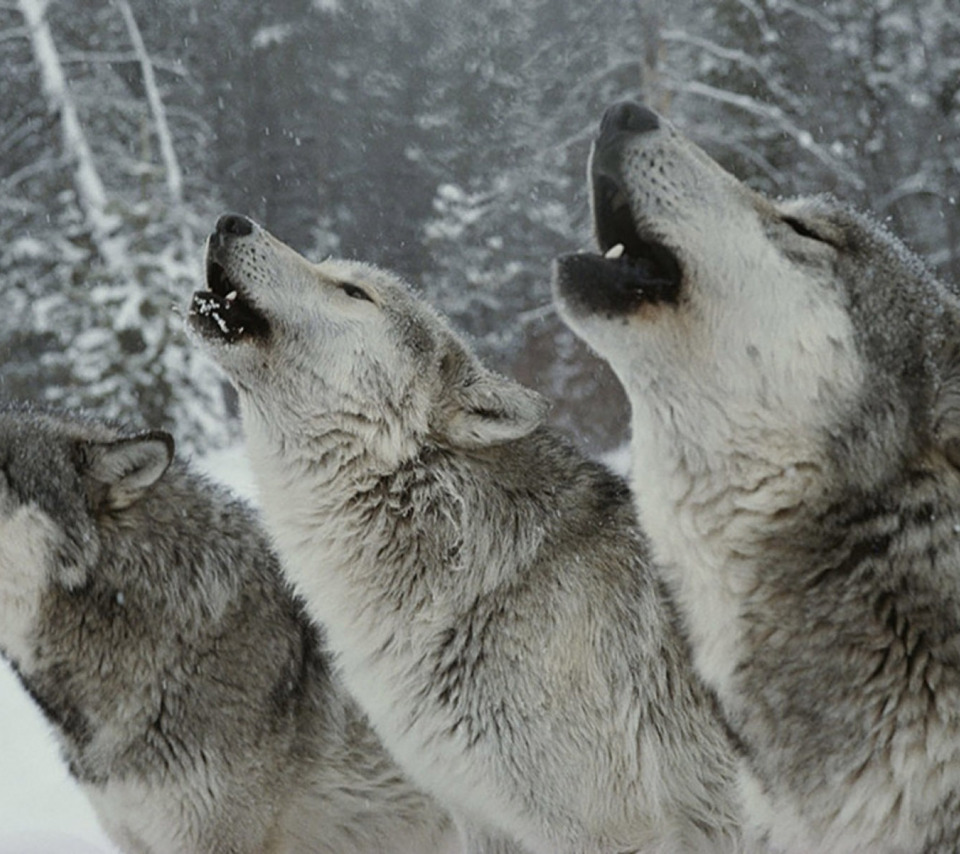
(230, 297)
(614, 252)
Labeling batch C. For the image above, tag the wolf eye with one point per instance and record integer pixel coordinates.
(354, 292)
(803, 230)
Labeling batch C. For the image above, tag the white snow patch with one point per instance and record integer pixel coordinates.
(27, 249)
(51, 843)
(270, 36)
(230, 467)
(618, 459)
(41, 809)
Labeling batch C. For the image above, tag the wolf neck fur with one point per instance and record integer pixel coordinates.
(358, 516)
(712, 514)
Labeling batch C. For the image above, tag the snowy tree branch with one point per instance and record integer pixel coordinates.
(14, 33)
(87, 182)
(106, 57)
(738, 57)
(37, 167)
(22, 130)
(776, 117)
(172, 172)
(812, 15)
(751, 154)
(917, 184)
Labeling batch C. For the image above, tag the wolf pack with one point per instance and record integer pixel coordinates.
(446, 630)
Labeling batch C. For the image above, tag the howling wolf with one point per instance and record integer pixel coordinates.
(484, 585)
(146, 615)
(794, 375)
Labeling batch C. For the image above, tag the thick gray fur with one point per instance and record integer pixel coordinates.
(145, 613)
(796, 416)
(485, 586)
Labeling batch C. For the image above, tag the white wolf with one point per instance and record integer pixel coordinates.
(146, 615)
(794, 375)
(484, 585)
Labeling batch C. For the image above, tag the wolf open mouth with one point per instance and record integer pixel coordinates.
(633, 258)
(223, 311)
(633, 269)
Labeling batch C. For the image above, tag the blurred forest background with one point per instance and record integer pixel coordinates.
(444, 138)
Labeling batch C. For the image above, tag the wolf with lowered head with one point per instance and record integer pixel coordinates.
(144, 611)
(794, 376)
(484, 586)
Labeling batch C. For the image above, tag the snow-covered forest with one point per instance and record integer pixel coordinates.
(444, 138)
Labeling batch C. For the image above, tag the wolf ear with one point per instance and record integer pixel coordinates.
(126, 467)
(481, 408)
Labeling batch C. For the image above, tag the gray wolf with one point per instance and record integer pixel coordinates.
(483, 584)
(794, 377)
(196, 706)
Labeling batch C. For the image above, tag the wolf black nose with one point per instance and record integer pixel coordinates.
(628, 116)
(234, 224)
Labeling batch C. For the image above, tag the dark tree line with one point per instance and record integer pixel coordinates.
(444, 138)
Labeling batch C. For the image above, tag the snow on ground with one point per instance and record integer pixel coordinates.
(618, 459)
(231, 468)
(41, 810)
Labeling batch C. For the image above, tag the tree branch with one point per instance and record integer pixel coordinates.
(776, 117)
(90, 189)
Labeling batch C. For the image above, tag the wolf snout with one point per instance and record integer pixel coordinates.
(629, 117)
(234, 225)
(224, 311)
(620, 123)
(229, 226)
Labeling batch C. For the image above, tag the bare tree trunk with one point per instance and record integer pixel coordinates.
(91, 193)
(171, 165)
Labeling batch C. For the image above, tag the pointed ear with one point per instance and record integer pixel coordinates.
(127, 467)
(481, 408)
